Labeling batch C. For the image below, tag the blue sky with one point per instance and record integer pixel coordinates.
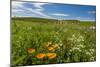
(53, 11)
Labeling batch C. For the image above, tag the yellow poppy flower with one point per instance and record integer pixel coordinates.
(51, 49)
(40, 56)
(31, 50)
(51, 55)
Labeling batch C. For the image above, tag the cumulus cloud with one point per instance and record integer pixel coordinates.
(60, 14)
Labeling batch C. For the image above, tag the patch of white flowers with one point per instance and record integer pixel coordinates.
(60, 43)
(75, 49)
(93, 27)
(90, 53)
(79, 47)
(92, 58)
(77, 40)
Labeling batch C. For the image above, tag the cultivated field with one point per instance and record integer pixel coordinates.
(47, 41)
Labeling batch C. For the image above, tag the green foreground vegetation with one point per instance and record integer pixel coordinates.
(47, 41)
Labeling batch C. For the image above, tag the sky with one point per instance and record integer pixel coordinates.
(53, 11)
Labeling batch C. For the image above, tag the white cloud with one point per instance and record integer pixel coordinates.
(40, 10)
(39, 5)
(91, 12)
(18, 8)
(16, 4)
(60, 14)
(14, 10)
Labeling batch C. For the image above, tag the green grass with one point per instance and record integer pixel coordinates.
(75, 41)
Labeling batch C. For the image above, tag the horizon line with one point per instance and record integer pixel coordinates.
(50, 18)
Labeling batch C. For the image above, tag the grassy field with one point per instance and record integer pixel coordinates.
(47, 41)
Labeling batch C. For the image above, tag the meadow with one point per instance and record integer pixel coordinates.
(37, 41)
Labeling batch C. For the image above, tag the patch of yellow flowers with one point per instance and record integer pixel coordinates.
(49, 55)
(42, 55)
(51, 47)
(31, 50)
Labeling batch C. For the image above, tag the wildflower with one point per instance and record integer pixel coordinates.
(49, 43)
(55, 46)
(31, 50)
(92, 27)
(40, 56)
(46, 45)
(51, 55)
(91, 50)
(60, 44)
(88, 53)
(81, 46)
(60, 41)
(76, 48)
(51, 48)
(92, 58)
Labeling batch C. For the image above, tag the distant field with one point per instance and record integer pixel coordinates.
(47, 41)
